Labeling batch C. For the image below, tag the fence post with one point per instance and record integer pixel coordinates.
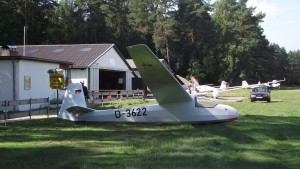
(48, 104)
(101, 98)
(57, 102)
(5, 112)
(138, 94)
(93, 95)
(110, 97)
(30, 108)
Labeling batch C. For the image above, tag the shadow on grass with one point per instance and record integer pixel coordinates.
(250, 142)
(39, 157)
(259, 141)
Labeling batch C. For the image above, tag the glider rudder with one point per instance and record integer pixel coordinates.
(73, 100)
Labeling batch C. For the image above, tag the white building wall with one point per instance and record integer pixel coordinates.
(6, 80)
(94, 79)
(129, 80)
(79, 74)
(110, 61)
(39, 79)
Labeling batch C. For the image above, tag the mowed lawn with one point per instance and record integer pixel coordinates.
(267, 135)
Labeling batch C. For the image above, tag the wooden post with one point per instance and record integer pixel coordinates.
(102, 99)
(93, 95)
(30, 108)
(5, 112)
(48, 104)
(57, 102)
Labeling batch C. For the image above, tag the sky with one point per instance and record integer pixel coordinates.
(282, 21)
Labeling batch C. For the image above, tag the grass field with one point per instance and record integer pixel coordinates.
(267, 135)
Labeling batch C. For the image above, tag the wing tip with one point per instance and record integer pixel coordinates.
(137, 45)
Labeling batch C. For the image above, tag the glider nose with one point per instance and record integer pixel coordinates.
(233, 114)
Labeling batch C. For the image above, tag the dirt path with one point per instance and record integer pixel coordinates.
(28, 118)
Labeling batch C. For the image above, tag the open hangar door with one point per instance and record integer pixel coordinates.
(137, 83)
(112, 80)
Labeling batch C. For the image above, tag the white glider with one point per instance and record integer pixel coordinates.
(194, 89)
(274, 84)
(175, 105)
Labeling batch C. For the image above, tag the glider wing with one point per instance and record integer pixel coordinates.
(164, 86)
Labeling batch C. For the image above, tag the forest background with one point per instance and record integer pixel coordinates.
(213, 42)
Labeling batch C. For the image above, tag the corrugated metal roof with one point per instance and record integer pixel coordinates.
(82, 55)
(34, 59)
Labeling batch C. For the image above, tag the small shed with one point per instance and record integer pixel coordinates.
(24, 77)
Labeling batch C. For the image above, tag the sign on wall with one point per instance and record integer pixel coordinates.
(27, 82)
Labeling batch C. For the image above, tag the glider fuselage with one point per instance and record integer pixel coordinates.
(181, 113)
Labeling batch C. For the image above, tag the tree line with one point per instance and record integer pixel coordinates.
(213, 42)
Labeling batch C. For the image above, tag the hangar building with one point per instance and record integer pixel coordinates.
(101, 66)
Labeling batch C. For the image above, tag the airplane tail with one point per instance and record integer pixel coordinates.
(216, 93)
(223, 85)
(73, 103)
(245, 84)
(195, 81)
(184, 81)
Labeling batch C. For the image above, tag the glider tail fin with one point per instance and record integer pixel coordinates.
(223, 85)
(245, 84)
(73, 98)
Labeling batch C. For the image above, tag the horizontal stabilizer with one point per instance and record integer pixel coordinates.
(79, 110)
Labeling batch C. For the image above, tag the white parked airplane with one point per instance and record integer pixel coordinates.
(274, 84)
(194, 89)
(199, 90)
(175, 105)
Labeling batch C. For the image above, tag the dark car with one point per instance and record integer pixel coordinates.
(260, 93)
